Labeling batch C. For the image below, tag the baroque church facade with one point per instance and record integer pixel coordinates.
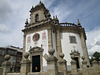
(45, 33)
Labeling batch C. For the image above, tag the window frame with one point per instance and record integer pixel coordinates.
(71, 41)
(36, 17)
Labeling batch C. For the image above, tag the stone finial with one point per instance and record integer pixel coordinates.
(26, 21)
(40, 1)
(51, 51)
(26, 55)
(51, 56)
(61, 55)
(6, 65)
(79, 24)
(94, 58)
(53, 17)
(7, 57)
(94, 61)
(83, 57)
(84, 62)
(61, 60)
(32, 7)
(73, 61)
(56, 17)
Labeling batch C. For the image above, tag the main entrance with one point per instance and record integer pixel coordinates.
(77, 62)
(36, 63)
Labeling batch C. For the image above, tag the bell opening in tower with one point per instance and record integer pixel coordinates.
(36, 18)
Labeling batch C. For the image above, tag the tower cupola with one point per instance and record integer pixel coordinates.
(39, 13)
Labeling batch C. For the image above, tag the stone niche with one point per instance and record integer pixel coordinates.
(36, 54)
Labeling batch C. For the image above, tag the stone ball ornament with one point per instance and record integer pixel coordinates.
(94, 58)
(51, 51)
(83, 57)
(26, 55)
(61, 55)
(7, 57)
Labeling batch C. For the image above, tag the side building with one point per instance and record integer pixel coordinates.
(16, 56)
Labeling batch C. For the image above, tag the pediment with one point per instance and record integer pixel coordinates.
(75, 53)
(36, 49)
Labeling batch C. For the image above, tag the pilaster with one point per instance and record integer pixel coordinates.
(73, 66)
(58, 42)
(84, 48)
(50, 43)
(25, 64)
(95, 67)
(24, 42)
(62, 67)
(84, 68)
(52, 68)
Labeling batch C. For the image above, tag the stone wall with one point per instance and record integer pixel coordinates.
(13, 74)
(54, 66)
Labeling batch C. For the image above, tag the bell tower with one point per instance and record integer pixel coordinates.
(40, 31)
(39, 13)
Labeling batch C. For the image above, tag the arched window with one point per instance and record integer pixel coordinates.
(36, 18)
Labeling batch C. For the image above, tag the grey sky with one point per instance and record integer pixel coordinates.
(13, 14)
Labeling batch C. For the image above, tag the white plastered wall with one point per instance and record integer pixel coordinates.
(67, 46)
(40, 42)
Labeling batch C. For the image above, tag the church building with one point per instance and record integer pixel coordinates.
(44, 33)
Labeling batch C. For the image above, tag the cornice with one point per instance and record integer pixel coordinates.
(70, 29)
(37, 25)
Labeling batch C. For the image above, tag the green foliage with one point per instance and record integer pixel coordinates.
(97, 57)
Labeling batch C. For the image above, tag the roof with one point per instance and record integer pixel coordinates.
(12, 48)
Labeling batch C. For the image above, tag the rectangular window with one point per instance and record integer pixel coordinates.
(72, 39)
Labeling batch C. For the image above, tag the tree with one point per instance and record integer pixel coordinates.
(97, 57)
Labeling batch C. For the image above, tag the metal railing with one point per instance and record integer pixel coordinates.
(69, 24)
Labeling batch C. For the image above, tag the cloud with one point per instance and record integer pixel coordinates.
(14, 12)
(12, 20)
(48, 3)
(93, 40)
(86, 11)
(98, 43)
(5, 10)
(14, 37)
(4, 29)
(61, 11)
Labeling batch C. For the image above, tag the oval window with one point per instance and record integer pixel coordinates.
(36, 37)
